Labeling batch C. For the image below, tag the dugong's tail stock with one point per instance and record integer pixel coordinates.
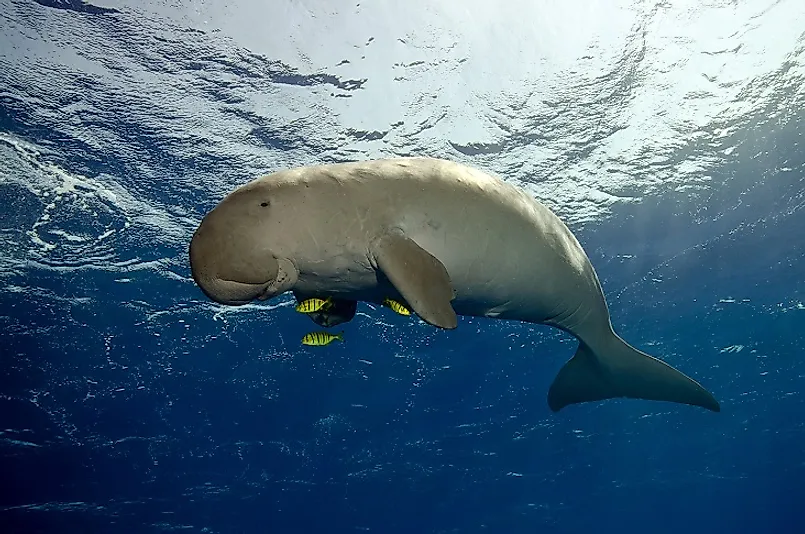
(616, 369)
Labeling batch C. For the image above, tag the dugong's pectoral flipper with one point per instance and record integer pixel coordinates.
(616, 369)
(420, 278)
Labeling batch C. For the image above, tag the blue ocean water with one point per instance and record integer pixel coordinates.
(131, 403)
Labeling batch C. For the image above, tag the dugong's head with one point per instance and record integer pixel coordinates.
(234, 251)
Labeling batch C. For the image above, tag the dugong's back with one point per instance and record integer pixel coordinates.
(507, 255)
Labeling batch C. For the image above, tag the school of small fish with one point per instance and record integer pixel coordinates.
(314, 305)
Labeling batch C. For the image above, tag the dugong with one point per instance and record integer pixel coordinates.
(446, 239)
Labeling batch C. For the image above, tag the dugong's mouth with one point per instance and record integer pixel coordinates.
(266, 293)
(235, 293)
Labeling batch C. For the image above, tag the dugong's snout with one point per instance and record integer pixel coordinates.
(230, 271)
(230, 292)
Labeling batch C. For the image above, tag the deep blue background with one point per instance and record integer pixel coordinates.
(129, 404)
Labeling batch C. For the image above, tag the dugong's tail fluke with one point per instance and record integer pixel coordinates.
(620, 370)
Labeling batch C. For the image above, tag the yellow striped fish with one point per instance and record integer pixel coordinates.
(396, 306)
(313, 305)
(319, 339)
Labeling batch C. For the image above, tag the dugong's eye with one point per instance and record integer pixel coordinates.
(264, 204)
